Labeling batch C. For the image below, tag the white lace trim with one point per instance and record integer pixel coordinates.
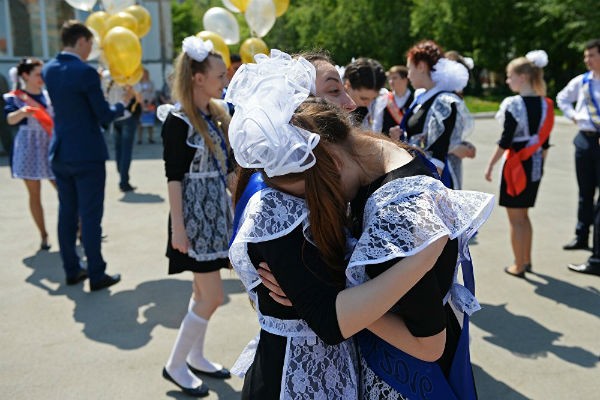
(312, 369)
(406, 215)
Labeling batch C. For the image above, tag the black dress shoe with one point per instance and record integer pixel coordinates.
(127, 188)
(80, 277)
(577, 244)
(105, 281)
(200, 391)
(223, 373)
(515, 274)
(585, 268)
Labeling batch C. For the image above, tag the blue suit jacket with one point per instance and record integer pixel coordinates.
(79, 109)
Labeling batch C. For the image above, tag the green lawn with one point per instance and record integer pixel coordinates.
(477, 105)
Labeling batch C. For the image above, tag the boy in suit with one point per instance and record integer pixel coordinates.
(78, 153)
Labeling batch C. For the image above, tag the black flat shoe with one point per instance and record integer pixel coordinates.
(80, 277)
(577, 244)
(528, 268)
(517, 275)
(223, 373)
(105, 281)
(45, 246)
(585, 268)
(200, 391)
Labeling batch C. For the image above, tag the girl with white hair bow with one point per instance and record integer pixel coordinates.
(314, 163)
(438, 118)
(527, 120)
(196, 152)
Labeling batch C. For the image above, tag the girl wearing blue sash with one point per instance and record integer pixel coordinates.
(300, 351)
(196, 165)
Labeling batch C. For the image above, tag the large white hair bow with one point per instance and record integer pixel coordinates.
(265, 96)
(196, 48)
(539, 58)
(449, 75)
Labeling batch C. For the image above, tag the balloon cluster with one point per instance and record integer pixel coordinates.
(117, 33)
(222, 28)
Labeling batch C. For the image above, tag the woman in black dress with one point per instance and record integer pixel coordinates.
(527, 121)
(437, 118)
(292, 358)
(196, 166)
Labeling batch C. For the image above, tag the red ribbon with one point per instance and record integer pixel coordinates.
(40, 112)
(514, 174)
(393, 108)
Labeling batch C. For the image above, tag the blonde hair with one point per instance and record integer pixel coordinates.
(522, 66)
(183, 92)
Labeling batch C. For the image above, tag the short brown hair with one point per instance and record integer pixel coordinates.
(400, 70)
(72, 30)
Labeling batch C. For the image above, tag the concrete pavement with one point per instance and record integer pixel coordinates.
(534, 339)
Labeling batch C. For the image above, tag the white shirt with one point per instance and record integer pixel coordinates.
(573, 93)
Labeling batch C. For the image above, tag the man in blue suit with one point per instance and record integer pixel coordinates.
(78, 153)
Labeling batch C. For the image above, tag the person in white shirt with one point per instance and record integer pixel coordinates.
(584, 91)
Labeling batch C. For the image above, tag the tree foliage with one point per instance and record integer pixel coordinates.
(491, 32)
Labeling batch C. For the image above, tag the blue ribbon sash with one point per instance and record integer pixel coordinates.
(255, 184)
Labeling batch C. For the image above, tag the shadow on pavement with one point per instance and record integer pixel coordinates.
(135, 197)
(124, 319)
(524, 337)
(579, 298)
(490, 388)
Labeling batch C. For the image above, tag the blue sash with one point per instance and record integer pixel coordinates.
(255, 183)
(446, 176)
(591, 102)
(417, 379)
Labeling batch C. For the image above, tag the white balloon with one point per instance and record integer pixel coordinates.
(260, 16)
(96, 49)
(229, 5)
(85, 5)
(222, 22)
(114, 6)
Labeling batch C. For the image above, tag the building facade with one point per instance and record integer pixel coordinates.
(31, 28)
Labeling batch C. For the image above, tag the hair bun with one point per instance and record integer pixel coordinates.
(539, 58)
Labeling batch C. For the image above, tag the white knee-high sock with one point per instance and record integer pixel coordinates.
(176, 365)
(196, 355)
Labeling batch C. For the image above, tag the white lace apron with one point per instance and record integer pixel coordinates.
(207, 206)
(440, 110)
(30, 145)
(515, 105)
(312, 369)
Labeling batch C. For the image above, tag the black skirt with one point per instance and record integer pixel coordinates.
(180, 262)
(525, 199)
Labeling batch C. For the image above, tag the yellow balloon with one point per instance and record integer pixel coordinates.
(240, 4)
(143, 18)
(97, 21)
(251, 47)
(281, 7)
(219, 45)
(122, 19)
(122, 50)
(131, 80)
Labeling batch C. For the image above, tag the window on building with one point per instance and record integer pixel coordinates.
(32, 27)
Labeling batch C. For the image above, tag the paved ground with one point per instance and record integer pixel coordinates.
(534, 339)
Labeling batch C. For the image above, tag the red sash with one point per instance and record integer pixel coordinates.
(514, 174)
(40, 114)
(393, 109)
